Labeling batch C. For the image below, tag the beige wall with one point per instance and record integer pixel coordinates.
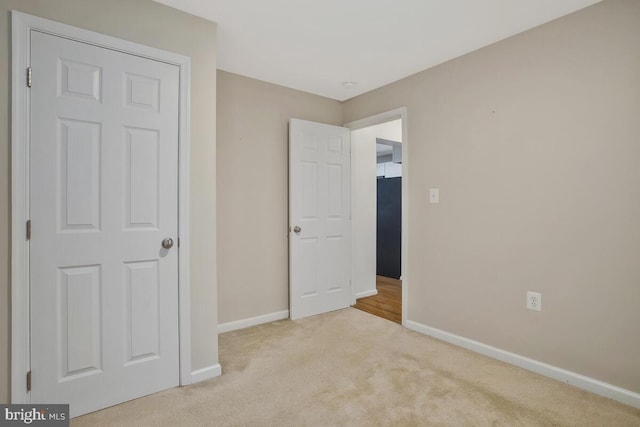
(152, 24)
(534, 143)
(253, 119)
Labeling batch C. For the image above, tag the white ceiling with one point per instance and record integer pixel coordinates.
(316, 45)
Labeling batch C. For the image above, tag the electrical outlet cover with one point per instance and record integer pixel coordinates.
(534, 301)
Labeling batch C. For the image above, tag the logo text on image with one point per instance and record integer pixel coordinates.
(37, 415)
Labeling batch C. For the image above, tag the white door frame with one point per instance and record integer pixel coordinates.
(398, 113)
(22, 25)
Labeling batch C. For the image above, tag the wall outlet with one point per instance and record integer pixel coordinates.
(534, 301)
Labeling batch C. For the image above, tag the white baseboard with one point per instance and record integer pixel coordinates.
(365, 294)
(253, 321)
(586, 383)
(206, 373)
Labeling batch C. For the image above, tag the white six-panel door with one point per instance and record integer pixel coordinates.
(104, 195)
(319, 216)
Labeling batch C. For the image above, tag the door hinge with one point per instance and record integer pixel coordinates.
(29, 381)
(29, 79)
(178, 242)
(29, 230)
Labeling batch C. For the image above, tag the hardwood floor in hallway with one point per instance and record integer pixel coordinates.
(388, 303)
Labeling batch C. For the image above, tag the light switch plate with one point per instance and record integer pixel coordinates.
(434, 195)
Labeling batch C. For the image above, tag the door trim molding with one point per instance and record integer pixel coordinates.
(22, 25)
(387, 116)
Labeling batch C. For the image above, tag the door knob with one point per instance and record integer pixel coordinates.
(167, 243)
(297, 229)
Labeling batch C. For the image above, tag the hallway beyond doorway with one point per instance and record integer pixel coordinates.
(388, 303)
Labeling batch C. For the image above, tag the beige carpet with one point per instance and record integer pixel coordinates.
(349, 368)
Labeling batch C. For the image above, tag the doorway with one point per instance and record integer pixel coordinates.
(378, 214)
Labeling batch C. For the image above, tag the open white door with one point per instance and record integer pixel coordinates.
(319, 217)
